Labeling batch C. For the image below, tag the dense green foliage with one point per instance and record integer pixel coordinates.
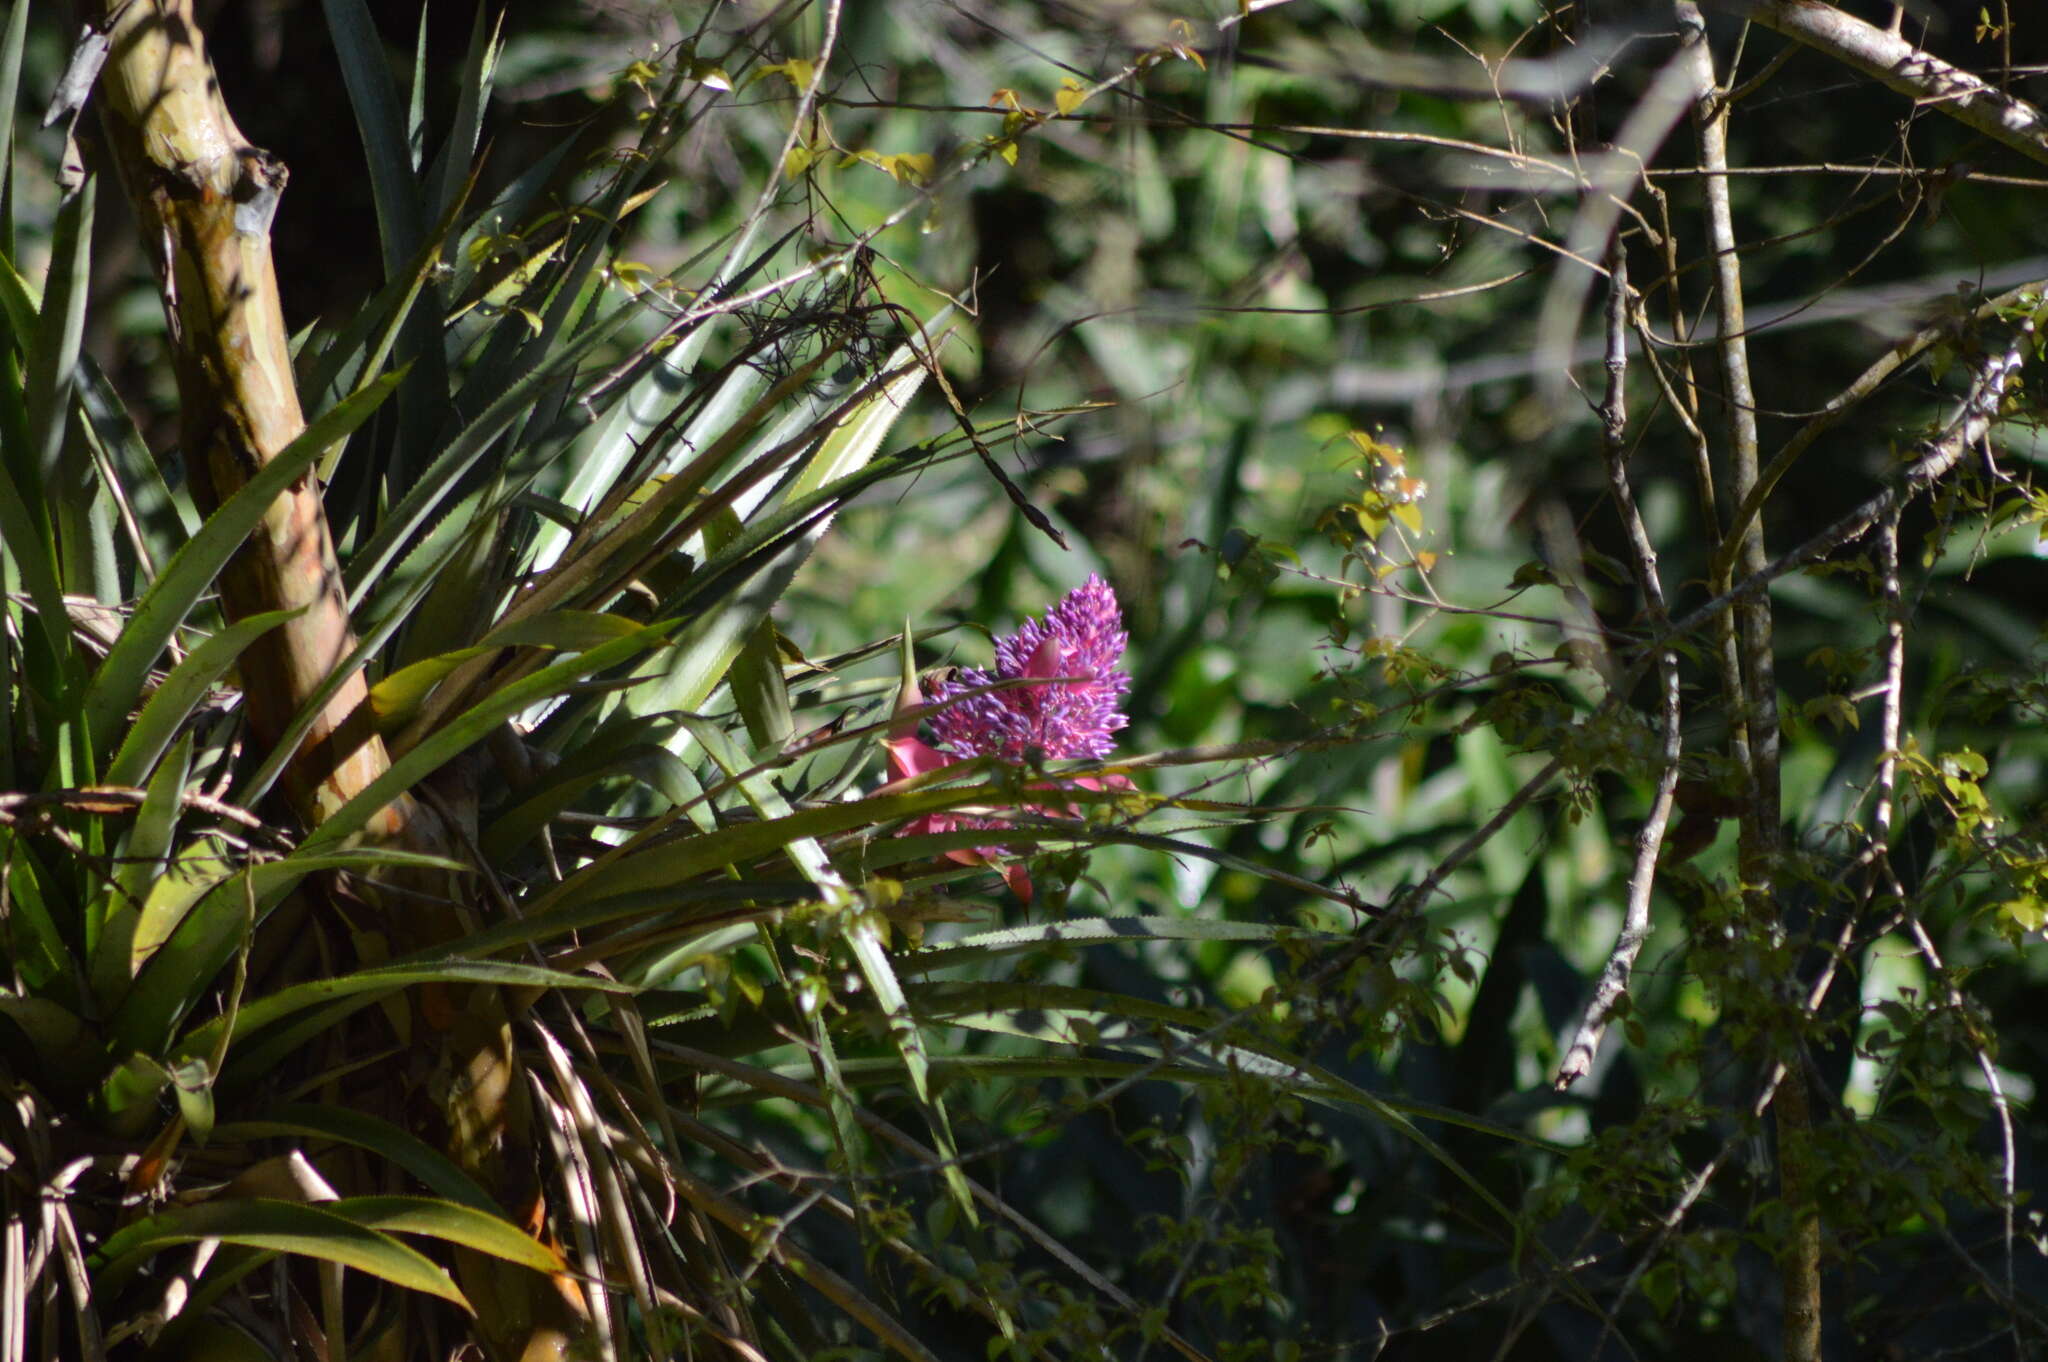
(747, 342)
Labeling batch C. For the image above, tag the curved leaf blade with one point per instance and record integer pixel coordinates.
(468, 1226)
(174, 700)
(280, 1226)
(371, 984)
(190, 573)
(434, 1170)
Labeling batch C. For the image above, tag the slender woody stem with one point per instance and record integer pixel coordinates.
(205, 198)
(1757, 700)
(1635, 927)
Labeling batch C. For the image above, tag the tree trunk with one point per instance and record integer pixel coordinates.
(205, 198)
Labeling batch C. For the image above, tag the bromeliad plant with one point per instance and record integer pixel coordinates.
(411, 848)
(1056, 693)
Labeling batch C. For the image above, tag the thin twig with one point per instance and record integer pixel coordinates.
(1938, 456)
(1635, 927)
(1880, 843)
(1615, 176)
(1866, 383)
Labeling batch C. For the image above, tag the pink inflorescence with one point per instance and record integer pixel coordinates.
(1076, 648)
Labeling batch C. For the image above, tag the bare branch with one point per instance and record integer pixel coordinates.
(1937, 458)
(1887, 364)
(1749, 677)
(1898, 64)
(1635, 923)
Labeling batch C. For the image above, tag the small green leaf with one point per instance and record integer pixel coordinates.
(2029, 912)
(192, 1085)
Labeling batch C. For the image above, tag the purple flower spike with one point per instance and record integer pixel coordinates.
(1079, 643)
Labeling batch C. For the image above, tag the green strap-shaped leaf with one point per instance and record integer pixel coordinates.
(380, 117)
(36, 948)
(473, 95)
(190, 574)
(182, 969)
(60, 327)
(758, 689)
(11, 45)
(165, 518)
(567, 631)
(441, 479)
(63, 1050)
(726, 901)
(435, 1170)
(174, 700)
(706, 652)
(641, 866)
(280, 1226)
(31, 552)
(416, 106)
(746, 1222)
(27, 540)
(650, 763)
(616, 444)
(863, 928)
(470, 1226)
(379, 981)
(200, 866)
(1093, 1017)
(833, 890)
(471, 727)
(513, 204)
(1098, 931)
(398, 696)
(110, 935)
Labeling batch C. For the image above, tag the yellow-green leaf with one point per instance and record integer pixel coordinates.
(456, 1224)
(910, 167)
(398, 695)
(278, 1226)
